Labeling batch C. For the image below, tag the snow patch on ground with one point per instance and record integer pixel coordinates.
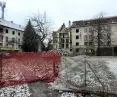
(72, 68)
(112, 64)
(15, 91)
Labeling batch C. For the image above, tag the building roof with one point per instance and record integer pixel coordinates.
(10, 24)
(62, 29)
(89, 22)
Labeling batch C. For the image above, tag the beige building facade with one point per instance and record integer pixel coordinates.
(80, 38)
(10, 35)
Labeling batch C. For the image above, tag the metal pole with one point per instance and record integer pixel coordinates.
(85, 75)
(112, 50)
(0, 65)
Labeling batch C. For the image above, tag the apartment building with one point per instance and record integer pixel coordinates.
(10, 35)
(61, 38)
(80, 37)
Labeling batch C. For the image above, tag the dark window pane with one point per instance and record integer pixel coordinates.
(86, 43)
(62, 45)
(6, 30)
(77, 50)
(62, 40)
(18, 40)
(12, 45)
(19, 34)
(67, 40)
(13, 32)
(6, 39)
(77, 43)
(77, 30)
(77, 37)
(13, 39)
(1, 30)
(67, 45)
(90, 43)
(70, 49)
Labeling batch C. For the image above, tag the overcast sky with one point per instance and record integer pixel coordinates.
(58, 11)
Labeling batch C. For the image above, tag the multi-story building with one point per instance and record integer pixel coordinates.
(80, 36)
(61, 38)
(10, 35)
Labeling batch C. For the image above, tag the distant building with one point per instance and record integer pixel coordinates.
(10, 35)
(78, 39)
(61, 38)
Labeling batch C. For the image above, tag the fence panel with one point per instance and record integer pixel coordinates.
(17, 68)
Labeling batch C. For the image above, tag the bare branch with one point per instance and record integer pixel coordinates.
(41, 25)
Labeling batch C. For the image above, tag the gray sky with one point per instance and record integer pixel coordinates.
(58, 11)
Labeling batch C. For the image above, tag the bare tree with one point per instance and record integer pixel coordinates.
(41, 24)
(101, 32)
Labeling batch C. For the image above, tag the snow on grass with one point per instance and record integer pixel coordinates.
(15, 91)
(72, 68)
(112, 64)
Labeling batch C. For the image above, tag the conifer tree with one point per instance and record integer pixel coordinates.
(30, 39)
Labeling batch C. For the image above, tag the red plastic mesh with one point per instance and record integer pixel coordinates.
(18, 68)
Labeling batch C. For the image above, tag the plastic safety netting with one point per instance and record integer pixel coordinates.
(18, 68)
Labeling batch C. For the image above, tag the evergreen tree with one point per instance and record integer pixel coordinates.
(30, 39)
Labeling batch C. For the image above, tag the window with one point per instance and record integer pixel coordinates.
(0, 44)
(90, 36)
(66, 35)
(90, 43)
(67, 45)
(67, 40)
(63, 35)
(13, 45)
(18, 40)
(80, 35)
(86, 43)
(85, 30)
(62, 40)
(77, 43)
(86, 37)
(19, 46)
(77, 30)
(108, 43)
(6, 39)
(6, 30)
(86, 50)
(1, 30)
(70, 49)
(89, 50)
(90, 29)
(60, 34)
(77, 37)
(19, 34)
(13, 39)
(77, 50)
(13, 32)
(62, 45)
